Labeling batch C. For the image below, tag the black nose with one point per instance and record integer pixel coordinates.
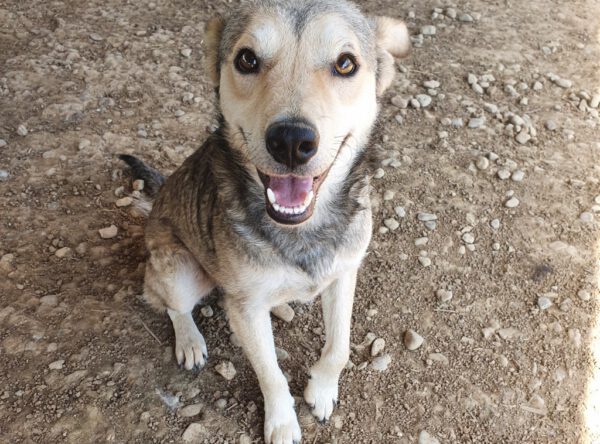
(292, 143)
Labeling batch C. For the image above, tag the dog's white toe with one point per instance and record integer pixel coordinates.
(281, 423)
(321, 394)
(190, 347)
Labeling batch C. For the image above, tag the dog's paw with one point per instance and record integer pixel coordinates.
(281, 423)
(321, 394)
(190, 350)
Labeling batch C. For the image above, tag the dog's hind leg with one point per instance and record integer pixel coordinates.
(321, 392)
(176, 282)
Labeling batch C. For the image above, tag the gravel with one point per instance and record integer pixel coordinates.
(190, 410)
(426, 438)
(544, 303)
(391, 224)
(22, 130)
(424, 100)
(503, 174)
(444, 295)
(476, 122)
(425, 217)
(428, 30)
(482, 163)
(377, 346)
(400, 212)
(381, 363)
(495, 224)
(413, 340)
(518, 176)
(226, 370)
(513, 202)
(108, 232)
(468, 238)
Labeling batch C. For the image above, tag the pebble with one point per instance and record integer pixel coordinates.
(379, 173)
(476, 122)
(495, 224)
(4, 175)
(518, 176)
(575, 337)
(551, 125)
(444, 295)
(400, 212)
(195, 432)
(428, 30)
(472, 79)
(245, 439)
(63, 252)
(431, 84)
(108, 232)
(22, 130)
(544, 302)
(381, 363)
(503, 174)
(523, 137)
(438, 357)
(377, 346)
(586, 216)
(57, 365)
(284, 312)
(124, 202)
(424, 100)
(465, 18)
(391, 223)
(207, 311)
(400, 102)
(226, 370)
(221, 403)
(468, 238)
(419, 242)
(594, 101)
(425, 261)
(138, 185)
(584, 295)
(483, 163)
(412, 340)
(425, 217)
(282, 354)
(477, 88)
(513, 202)
(190, 410)
(186, 52)
(563, 83)
(2, 143)
(538, 86)
(388, 195)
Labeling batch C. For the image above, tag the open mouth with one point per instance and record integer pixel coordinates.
(290, 199)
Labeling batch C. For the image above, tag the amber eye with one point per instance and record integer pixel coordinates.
(345, 65)
(246, 62)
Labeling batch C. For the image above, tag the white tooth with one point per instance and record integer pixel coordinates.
(309, 198)
(276, 207)
(289, 210)
(271, 196)
(297, 210)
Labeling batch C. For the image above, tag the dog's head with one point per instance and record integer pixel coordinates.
(298, 84)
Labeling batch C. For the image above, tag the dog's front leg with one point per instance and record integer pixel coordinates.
(321, 392)
(252, 326)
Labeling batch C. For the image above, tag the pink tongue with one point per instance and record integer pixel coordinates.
(290, 191)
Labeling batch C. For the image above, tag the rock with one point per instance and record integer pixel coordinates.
(595, 101)
(420, 241)
(51, 300)
(57, 365)
(245, 439)
(2, 143)
(428, 30)
(400, 212)
(584, 295)
(563, 83)
(538, 86)
(424, 100)
(400, 102)
(575, 337)
(96, 37)
(425, 261)
(388, 195)
(518, 176)
(482, 163)
(468, 238)
(551, 125)
(22, 130)
(138, 185)
(412, 340)
(124, 202)
(391, 224)
(444, 295)
(586, 216)
(63, 252)
(381, 363)
(108, 232)
(377, 346)
(476, 122)
(544, 303)
(283, 312)
(495, 224)
(438, 357)
(190, 410)
(457, 123)
(186, 52)
(4, 175)
(379, 173)
(465, 18)
(426, 438)
(477, 88)
(451, 13)
(226, 370)
(195, 433)
(508, 333)
(491, 108)
(523, 137)
(503, 174)
(207, 311)
(472, 79)
(282, 354)
(513, 202)
(431, 84)
(424, 217)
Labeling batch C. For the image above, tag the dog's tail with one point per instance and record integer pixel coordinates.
(153, 181)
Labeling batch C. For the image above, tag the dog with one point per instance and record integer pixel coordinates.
(274, 207)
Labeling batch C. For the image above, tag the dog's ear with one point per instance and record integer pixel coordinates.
(212, 39)
(393, 40)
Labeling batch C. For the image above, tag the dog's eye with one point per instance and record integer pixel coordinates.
(246, 62)
(346, 65)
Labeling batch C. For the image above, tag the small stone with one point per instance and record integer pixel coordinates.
(124, 202)
(400, 102)
(51, 300)
(282, 354)
(412, 340)
(186, 52)
(508, 333)
(226, 370)
(551, 125)
(595, 101)
(444, 295)
(245, 439)
(63, 252)
(523, 137)
(400, 212)
(425, 261)
(2, 143)
(563, 83)
(491, 108)
(391, 224)
(428, 30)
(138, 185)
(4, 175)
(472, 79)
(476, 122)
(431, 84)
(415, 103)
(221, 403)
(477, 88)
(190, 410)
(438, 357)
(424, 217)
(108, 232)
(207, 311)
(283, 312)
(518, 176)
(377, 346)
(379, 173)
(495, 224)
(451, 13)
(419, 242)
(468, 238)
(465, 18)
(483, 163)
(544, 302)
(388, 195)
(587, 217)
(537, 402)
(22, 130)
(196, 433)
(424, 100)
(575, 337)
(57, 365)
(381, 363)
(513, 202)
(584, 295)
(96, 37)
(538, 86)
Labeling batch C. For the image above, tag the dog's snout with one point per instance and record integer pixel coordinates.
(292, 143)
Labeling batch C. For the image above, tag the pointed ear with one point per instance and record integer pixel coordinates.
(393, 40)
(212, 40)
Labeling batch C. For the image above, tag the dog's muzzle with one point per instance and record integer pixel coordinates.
(292, 142)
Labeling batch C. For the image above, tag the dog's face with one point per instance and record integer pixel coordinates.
(298, 85)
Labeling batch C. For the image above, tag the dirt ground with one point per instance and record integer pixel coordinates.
(507, 359)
